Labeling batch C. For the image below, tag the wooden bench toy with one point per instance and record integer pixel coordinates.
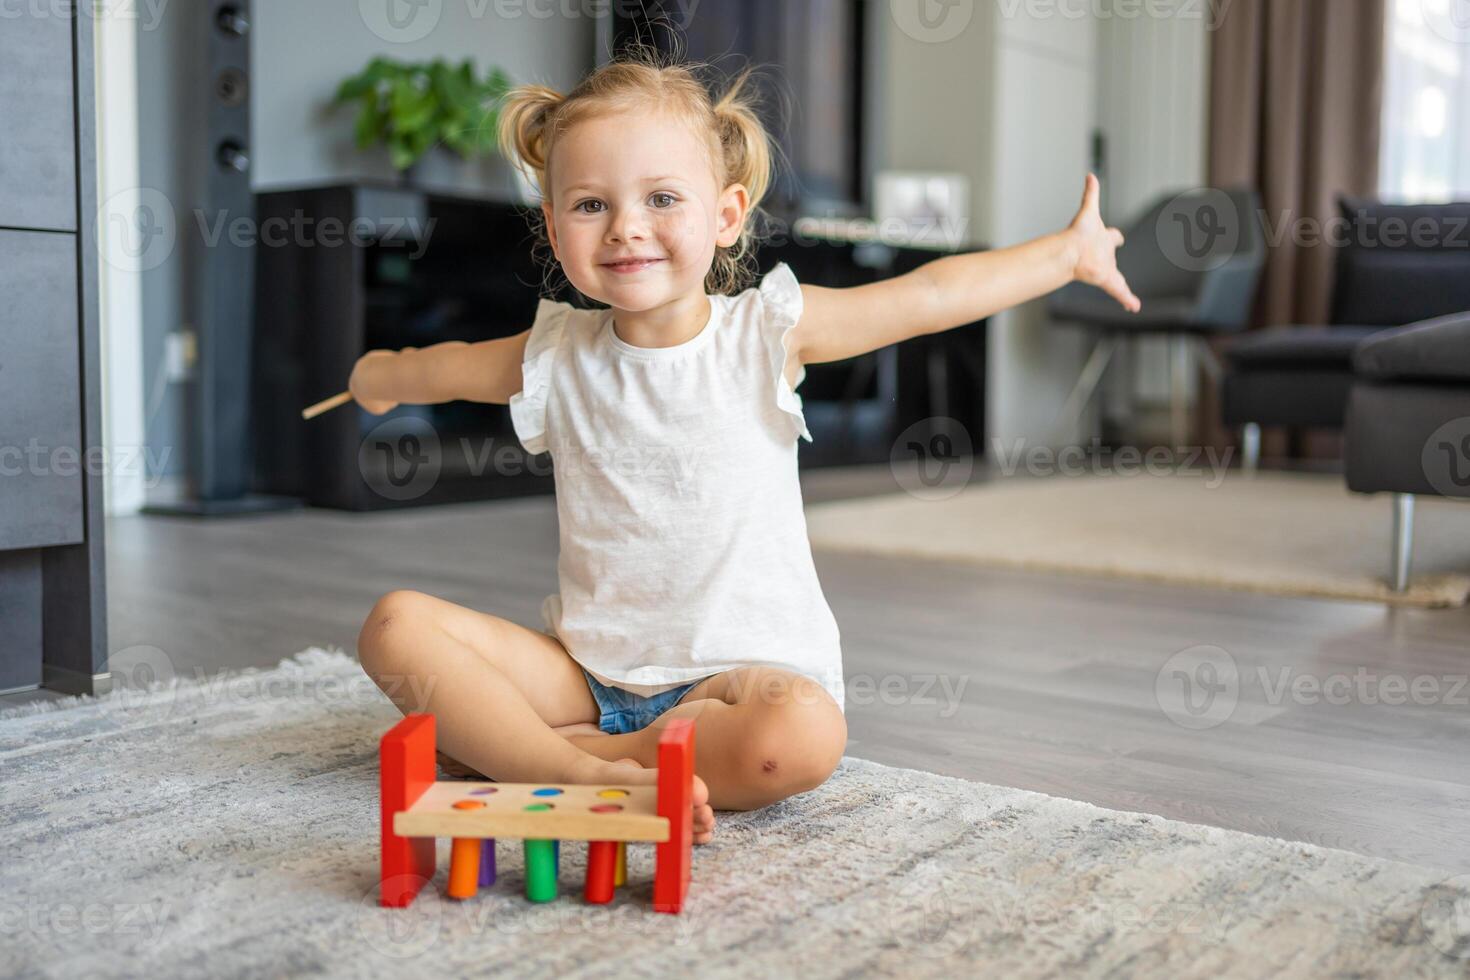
(416, 809)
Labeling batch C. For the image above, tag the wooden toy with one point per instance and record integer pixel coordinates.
(416, 809)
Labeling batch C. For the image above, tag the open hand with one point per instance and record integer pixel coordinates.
(1096, 246)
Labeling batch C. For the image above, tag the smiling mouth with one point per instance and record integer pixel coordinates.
(631, 265)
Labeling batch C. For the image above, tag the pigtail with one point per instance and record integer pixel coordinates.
(526, 116)
(746, 155)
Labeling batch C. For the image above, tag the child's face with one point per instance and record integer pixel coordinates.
(637, 185)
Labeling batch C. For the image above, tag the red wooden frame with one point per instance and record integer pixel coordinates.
(406, 769)
(673, 858)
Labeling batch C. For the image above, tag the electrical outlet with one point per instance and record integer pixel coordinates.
(180, 352)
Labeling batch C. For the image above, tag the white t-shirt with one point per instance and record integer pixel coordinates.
(684, 549)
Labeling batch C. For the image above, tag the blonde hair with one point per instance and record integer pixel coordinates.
(532, 117)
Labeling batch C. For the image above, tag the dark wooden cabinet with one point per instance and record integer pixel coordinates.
(38, 179)
(52, 591)
(41, 461)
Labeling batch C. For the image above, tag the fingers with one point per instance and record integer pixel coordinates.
(1090, 193)
(1117, 287)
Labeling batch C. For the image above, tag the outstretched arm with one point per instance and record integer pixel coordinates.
(959, 289)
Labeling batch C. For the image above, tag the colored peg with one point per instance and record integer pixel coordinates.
(540, 871)
(487, 862)
(602, 865)
(464, 867)
(620, 873)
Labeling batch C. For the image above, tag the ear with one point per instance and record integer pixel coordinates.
(730, 214)
(550, 228)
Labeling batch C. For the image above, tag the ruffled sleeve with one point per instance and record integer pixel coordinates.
(781, 309)
(528, 406)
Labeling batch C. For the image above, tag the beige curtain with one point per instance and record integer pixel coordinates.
(1295, 92)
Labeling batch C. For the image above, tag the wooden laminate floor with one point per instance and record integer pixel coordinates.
(1038, 681)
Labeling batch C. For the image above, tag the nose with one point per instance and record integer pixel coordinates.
(626, 225)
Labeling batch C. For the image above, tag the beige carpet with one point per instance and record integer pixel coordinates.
(1286, 534)
(228, 828)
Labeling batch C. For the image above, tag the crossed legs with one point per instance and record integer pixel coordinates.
(511, 703)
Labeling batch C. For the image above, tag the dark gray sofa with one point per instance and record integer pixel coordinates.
(1400, 264)
(1408, 422)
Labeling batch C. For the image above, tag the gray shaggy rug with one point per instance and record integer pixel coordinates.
(227, 828)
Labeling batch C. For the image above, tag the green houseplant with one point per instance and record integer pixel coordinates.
(412, 107)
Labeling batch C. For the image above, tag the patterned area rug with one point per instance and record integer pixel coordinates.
(227, 828)
(1281, 533)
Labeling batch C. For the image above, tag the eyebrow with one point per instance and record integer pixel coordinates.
(646, 180)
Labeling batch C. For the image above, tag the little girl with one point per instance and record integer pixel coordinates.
(686, 582)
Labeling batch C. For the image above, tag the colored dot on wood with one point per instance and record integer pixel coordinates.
(605, 808)
(539, 806)
(546, 791)
(484, 792)
(468, 804)
(612, 794)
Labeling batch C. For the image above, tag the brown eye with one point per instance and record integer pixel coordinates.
(582, 206)
(663, 200)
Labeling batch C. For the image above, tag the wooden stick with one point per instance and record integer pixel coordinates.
(326, 405)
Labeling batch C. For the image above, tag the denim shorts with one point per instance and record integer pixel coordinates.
(623, 711)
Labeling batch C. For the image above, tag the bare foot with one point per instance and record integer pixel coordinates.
(629, 771)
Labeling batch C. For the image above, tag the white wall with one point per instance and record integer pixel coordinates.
(1041, 148)
(302, 50)
(1152, 99)
(1012, 101)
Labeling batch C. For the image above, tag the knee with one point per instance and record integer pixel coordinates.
(389, 616)
(793, 747)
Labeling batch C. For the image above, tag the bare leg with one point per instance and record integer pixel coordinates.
(763, 734)
(497, 690)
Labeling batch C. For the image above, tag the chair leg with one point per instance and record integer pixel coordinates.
(1178, 391)
(1250, 446)
(1403, 540)
(1087, 381)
